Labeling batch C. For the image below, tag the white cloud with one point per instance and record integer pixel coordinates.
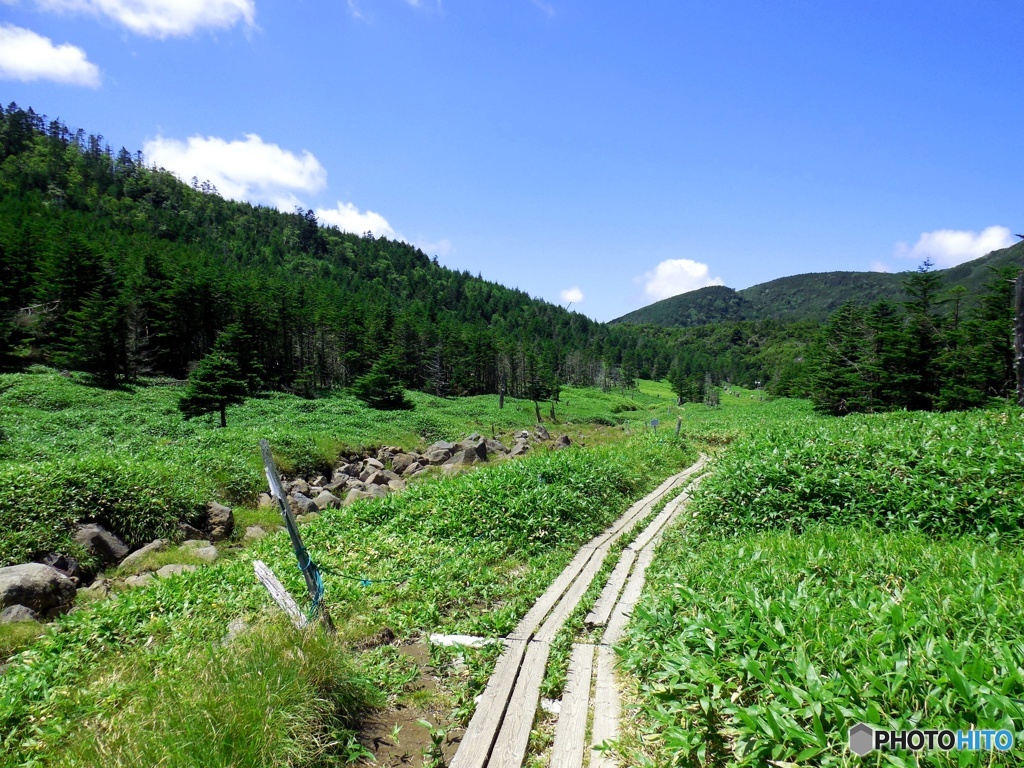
(949, 247)
(878, 266)
(572, 295)
(27, 56)
(348, 218)
(674, 276)
(354, 11)
(442, 247)
(250, 170)
(163, 18)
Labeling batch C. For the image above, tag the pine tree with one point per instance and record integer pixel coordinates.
(216, 383)
(381, 388)
(840, 384)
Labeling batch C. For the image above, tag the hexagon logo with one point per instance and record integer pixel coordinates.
(862, 739)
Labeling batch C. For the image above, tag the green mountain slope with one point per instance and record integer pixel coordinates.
(812, 296)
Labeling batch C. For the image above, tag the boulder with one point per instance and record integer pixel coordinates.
(377, 478)
(520, 448)
(319, 480)
(541, 432)
(327, 500)
(401, 462)
(355, 495)
(522, 435)
(299, 486)
(254, 533)
(465, 458)
(188, 546)
(441, 445)
(396, 484)
(98, 541)
(265, 500)
(36, 586)
(174, 569)
(206, 554)
(562, 442)
(99, 589)
(420, 472)
(138, 580)
(378, 491)
(69, 566)
(355, 483)
(372, 463)
(303, 504)
(477, 449)
(412, 469)
(220, 521)
(337, 485)
(14, 614)
(303, 519)
(190, 533)
(496, 447)
(132, 560)
(437, 456)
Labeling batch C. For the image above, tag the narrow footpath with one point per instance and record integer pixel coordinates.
(499, 733)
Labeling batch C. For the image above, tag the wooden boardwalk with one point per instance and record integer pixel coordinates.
(499, 732)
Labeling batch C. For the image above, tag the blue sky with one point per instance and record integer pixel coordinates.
(611, 153)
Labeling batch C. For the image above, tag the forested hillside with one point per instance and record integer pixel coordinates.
(814, 296)
(122, 270)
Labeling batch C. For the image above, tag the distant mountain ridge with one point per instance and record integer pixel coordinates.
(812, 296)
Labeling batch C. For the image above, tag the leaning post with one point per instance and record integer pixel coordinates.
(309, 569)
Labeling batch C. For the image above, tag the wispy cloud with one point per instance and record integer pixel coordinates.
(354, 10)
(878, 266)
(163, 18)
(249, 169)
(27, 56)
(546, 8)
(674, 276)
(949, 247)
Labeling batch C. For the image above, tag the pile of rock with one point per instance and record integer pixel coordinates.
(36, 591)
(390, 468)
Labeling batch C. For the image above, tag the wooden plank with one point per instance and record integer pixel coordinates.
(476, 744)
(514, 737)
(565, 606)
(571, 731)
(602, 609)
(606, 708)
(624, 607)
(529, 623)
(279, 593)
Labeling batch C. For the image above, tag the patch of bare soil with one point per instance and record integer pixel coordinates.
(396, 737)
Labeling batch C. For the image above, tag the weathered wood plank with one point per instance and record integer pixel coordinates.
(606, 709)
(571, 731)
(529, 623)
(604, 604)
(514, 737)
(568, 603)
(624, 607)
(475, 748)
(279, 593)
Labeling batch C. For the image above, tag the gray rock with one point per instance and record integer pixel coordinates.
(367, 474)
(496, 447)
(397, 484)
(319, 480)
(13, 614)
(412, 469)
(437, 456)
(352, 470)
(220, 521)
(303, 519)
(303, 504)
(337, 485)
(441, 445)
(401, 462)
(420, 472)
(562, 442)
(378, 491)
(355, 495)
(132, 560)
(254, 533)
(466, 458)
(523, 435)
(97, 540)
(520, 448)
(378, 478)
(174, 569)
(190, 533)
(207, 554)
(541, 432)
(67, 565)
(195, 544)
(373, 463)
(327, 500)
(98, 590)
(300, 486)
(265, 500)
(35, 586)
(235, 628)
(138, 580)
(355, 483)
